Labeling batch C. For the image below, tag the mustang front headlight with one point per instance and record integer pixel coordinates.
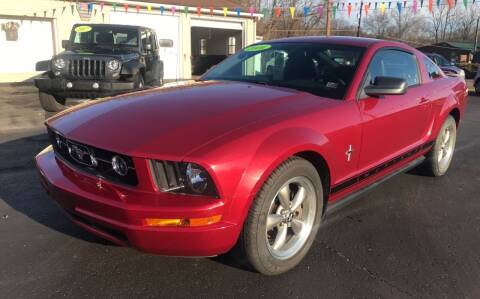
(113, 65)
(59, 63)
(181, 177)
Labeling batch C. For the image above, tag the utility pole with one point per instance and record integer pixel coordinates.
(329, 19)
(359, 19)
(476, 37)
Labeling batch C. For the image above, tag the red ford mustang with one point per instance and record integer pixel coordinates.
(256, 152)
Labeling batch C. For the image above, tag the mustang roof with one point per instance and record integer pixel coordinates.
(343, 40)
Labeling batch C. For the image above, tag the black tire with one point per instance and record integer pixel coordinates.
(434, 165)
(139, 82)
(51, 103)
(252, 246)
(476, 85)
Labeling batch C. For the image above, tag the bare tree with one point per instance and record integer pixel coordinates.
(377, 25)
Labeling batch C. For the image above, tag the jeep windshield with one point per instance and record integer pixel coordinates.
(320, 69)
(91, 37)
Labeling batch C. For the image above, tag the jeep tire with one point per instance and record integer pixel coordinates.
(51, 103)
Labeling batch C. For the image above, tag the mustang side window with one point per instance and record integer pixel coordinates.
(433, 70)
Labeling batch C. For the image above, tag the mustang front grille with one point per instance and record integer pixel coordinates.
(92, 160)
(86, 68)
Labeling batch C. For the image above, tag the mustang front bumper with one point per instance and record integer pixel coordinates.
(109, 211)
(81, 88)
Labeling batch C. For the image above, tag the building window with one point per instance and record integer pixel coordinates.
(231, 45)
(203, 46)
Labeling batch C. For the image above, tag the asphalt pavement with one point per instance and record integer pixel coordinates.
(412, 237)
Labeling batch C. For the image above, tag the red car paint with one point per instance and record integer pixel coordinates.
(239, 132)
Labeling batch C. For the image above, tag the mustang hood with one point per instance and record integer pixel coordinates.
(171, 122)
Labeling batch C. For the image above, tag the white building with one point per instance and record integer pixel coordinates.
(200, 32)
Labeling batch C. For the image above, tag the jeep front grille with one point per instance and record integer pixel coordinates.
(86, 68)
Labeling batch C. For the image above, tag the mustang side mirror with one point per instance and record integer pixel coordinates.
(386, 86)
(65, 44)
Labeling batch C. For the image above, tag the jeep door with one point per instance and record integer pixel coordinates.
(392, 124)
(150, 53)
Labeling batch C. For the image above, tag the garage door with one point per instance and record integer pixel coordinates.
(166, 27)
(23, 44)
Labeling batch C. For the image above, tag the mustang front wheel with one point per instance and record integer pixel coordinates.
(440, 157)
(284, 218)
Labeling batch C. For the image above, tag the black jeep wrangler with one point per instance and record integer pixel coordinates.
(100, 60)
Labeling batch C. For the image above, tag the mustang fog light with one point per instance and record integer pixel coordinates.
(69, 84)
(119, 165)
(59, 63)
(182, 221)
(113, 65)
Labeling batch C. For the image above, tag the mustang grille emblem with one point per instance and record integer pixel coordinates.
(82, 154)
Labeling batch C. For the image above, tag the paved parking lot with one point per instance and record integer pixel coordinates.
(412, 237)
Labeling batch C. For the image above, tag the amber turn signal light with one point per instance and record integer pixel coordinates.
(182, 221)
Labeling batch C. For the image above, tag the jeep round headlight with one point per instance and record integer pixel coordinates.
(59, 63)
(113, 65)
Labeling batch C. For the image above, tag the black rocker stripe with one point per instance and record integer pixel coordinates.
(345, 184)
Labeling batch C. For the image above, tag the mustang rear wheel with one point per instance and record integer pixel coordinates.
(284, 218)
(440, 157)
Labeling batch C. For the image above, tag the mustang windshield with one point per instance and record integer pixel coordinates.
(92, 36)
(321, 69)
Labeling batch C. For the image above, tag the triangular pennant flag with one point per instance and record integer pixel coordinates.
(63, 9)
(238, 11)
(102, 4)
(430, 5)
(137, 8)
(305, 11)
(404, 4)
(54, 10)
(225, 10)
(185, 10)
(349, 9)
(382, 8)
(414, 7)
(421, 3)
(44, 13)
(320, 11)
(162, 10)
(450, 4)
(292, 11)
(90, 7)
(375, 8)
(366, 7)
(438, 3)
(399, 7)
(174, 10)
(251, 10)
(265, 11)
(72, 8)
(389, 5)
(199, 11)
(149, 8)
(465, 2)
(211, 11)
(278, 11)
(335, 10)
(125, 6)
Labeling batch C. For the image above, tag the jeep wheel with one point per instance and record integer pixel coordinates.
(440, 156)
(139, 82)
(51, 103)
(283, 219)
(477, 87)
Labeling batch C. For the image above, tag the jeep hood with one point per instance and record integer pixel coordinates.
(172, 122)
(120, 54)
